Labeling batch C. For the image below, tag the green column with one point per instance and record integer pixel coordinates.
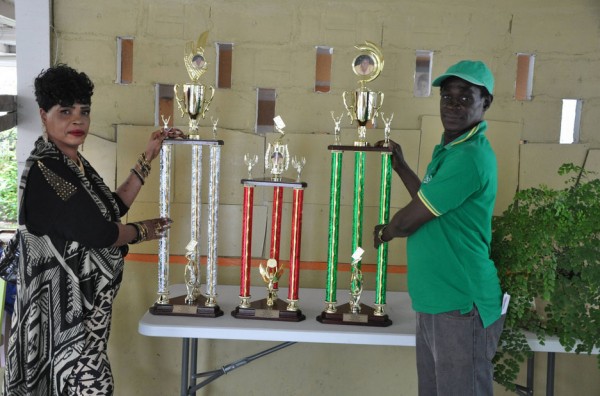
(357, 213)
(334, 223)
(384, 217)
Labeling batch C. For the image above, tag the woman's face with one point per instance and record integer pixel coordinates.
(67, 126)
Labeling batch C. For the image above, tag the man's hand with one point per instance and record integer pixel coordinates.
(378, 235)
(397, 154)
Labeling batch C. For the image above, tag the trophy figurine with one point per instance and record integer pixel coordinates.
(363, 104)
(250, 161)
(387, 130)
(337, 129)
(166, 127)
(271, 275)
(277, 156)
(191, 274)
(214, 128)
(356, 281)
(298, 164)
(194, 98)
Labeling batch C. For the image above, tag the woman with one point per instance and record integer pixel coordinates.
(72, 245)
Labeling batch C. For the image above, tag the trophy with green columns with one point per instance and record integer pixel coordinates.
(362, 106)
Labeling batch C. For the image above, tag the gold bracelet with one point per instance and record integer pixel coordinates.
(144, 164)
(142, 232)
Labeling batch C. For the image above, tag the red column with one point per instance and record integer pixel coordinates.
(246, 241)
(276, 226)
(294, 276)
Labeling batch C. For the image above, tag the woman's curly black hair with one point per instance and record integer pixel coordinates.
(64, 86)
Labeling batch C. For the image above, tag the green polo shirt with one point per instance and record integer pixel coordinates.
(449, 265)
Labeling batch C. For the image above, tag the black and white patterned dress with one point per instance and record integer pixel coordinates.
(68, 278)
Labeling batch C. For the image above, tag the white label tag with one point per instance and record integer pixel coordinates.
(505, 301)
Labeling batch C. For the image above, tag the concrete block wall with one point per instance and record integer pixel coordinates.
(274, 47)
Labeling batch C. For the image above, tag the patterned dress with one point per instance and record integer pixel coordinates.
(68, 278)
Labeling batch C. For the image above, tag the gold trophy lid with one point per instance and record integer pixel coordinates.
(194, 59)
(368, 64)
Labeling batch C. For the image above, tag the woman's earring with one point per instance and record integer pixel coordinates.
(44, 133)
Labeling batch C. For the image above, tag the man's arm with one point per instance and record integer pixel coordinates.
(405, 222)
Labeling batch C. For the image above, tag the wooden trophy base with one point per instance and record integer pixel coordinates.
(178, 307)
(260, 310)
(344, 316)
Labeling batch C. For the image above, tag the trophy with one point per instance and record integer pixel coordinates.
(277, 156)
(363, 107)
(271, 275)
(214, 128)
(298, 164)
(194, 102)
(194, 98)
(363, 104)
(277, 160)
(387, 130)
(250, 161)
(191, 274)
(356, 281)
(337, 129)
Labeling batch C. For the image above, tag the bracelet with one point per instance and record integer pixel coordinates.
(144, 164)
(380, 233)
(142, 232)
(138, 174)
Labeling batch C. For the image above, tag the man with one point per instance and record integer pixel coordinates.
(452, 281)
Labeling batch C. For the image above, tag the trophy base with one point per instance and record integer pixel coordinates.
(260, 310)
(178, 307)
(344, 316)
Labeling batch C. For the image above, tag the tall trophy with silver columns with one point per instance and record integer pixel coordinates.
(193, 100)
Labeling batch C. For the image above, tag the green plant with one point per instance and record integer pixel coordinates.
(8, 176)
(546, 247)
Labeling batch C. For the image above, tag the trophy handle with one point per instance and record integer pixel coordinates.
(350, 109)
(207, 102)
(179, 99)
(380, 100)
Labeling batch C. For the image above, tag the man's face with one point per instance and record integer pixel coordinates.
(462, 105)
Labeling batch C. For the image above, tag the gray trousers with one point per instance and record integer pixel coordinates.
(454, 354)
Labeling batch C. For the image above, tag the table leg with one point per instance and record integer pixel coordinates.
(193, 362)
(550, 374)
(185, 356)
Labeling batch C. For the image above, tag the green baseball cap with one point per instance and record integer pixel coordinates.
(475, 72)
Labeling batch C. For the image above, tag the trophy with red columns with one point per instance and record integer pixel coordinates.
(363, 107)
(277, 159)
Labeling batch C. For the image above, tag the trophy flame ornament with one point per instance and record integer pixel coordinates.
(194, 98)
(363, 104)
(271, 275)
(277, 156)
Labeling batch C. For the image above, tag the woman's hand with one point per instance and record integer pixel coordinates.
(157, 227)
(157, 138)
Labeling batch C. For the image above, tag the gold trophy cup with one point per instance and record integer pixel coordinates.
(363, 104)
